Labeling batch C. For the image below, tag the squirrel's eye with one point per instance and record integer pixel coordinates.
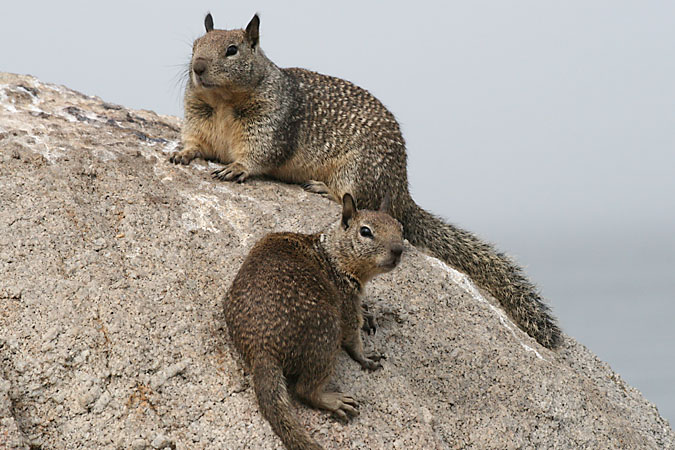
(231, 50)
(365, 232)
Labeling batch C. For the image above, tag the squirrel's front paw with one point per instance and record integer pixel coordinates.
(372, 362)
(232, 172)
(183, 156)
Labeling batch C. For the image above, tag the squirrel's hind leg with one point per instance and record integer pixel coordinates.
(311, 391)
(319, 187)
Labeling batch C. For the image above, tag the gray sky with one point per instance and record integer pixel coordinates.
(545, 127)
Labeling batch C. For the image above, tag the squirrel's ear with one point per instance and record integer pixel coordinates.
(208, 22)
(252, 31)
(385, 206)
(348, 210)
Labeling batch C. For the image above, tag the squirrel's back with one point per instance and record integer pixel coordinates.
(342, 130)
(340, 113)
(282, 277)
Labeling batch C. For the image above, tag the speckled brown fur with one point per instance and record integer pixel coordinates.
(332, 137)
(296, 300)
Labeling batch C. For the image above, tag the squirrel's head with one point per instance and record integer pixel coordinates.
(365, 243)
(227, 59)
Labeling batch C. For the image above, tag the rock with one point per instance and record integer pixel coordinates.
(115, 262)
(89, 396)
(101, 402)
(139, 444)
(10, 434)
(158, 380)
(161, 441)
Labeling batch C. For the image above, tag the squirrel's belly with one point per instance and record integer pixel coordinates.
(300, 168)
(333, 172)
(222, 138)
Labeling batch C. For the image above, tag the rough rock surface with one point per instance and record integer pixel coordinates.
(114, 263)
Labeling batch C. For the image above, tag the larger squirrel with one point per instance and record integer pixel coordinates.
(332, 137)
(296, 300)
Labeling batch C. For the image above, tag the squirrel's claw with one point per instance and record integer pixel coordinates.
(319, 187)
(181, 158)
(232, 172)
(369, 364)
(343, 406)
(376, 356)
(372, 361)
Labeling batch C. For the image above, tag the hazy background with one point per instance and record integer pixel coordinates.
(546, 127)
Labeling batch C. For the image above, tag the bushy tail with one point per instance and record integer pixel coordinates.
(489, 268)
(270, 389)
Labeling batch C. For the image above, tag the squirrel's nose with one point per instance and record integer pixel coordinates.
(199, 66)
(397, 250)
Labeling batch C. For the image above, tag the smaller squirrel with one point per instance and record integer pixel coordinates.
(296, 300)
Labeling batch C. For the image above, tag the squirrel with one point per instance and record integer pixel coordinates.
(296, 300)
(332, 137)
